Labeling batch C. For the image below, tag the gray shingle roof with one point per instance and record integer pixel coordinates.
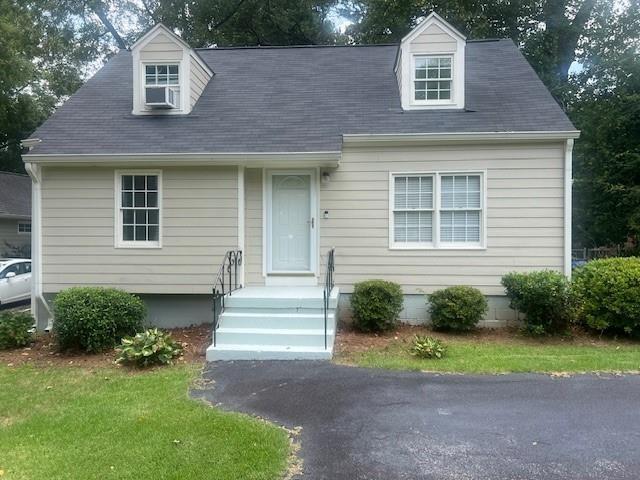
(298, 100)
(15, 195)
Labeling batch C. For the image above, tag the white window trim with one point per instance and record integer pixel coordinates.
(24, 223)
(182, 86)
(436, 244)
(118, 242)
(451, 100)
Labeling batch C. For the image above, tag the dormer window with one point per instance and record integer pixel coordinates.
(162, 86)
(432, 79)
(430, 66)
(168, 75)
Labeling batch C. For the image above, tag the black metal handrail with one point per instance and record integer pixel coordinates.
(328, 287)
(225, 284)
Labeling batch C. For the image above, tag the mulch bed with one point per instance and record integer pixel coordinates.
(349, 340)
(196, 340)
(43, 351)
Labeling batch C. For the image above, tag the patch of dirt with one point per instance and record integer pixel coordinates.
(349, 341)
(43, 351)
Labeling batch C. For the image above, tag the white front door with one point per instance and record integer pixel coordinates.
(291, 222)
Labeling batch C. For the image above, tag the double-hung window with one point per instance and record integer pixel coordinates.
(432, 79)
(24, 227)
(166, 75)
(437, 210)
(413, 209)
(138, 209)
(460, 209)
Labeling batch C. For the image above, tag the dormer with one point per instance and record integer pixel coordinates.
(430, 66)
(168, 75)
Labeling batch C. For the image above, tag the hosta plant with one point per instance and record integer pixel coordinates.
(427, 347)
(151, 347)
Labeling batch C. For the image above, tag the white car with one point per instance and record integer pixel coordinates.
(15, 280)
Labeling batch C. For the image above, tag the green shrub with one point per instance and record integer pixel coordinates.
(427, 347)
(543, 296)
(376, 305)
(457, 308)
(608, 291)
(151, 347)
(15, 329)
(94, 318)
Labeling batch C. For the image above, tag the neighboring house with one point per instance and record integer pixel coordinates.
(436, 162)
(15, 215)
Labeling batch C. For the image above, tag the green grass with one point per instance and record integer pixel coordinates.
(107, 423)
(490, 358)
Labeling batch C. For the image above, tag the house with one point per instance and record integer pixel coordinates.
(439, 161)
(15, 215)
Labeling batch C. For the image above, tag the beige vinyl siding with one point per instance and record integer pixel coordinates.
(161, 49)
(199, 212)
(199, 80)
(434, 40)
(524, 215)
(9, 234)
(253, 227)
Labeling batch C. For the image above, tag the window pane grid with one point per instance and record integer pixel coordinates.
(161, 75)
(432, 78)
(413, 193)
(460, 192)
(140, 214)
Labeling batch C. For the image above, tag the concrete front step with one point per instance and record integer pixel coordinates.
(286, 304)
(301, 337)
(263, 352)
(269, 319)
(275, 323)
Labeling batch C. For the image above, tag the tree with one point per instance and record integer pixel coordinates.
(47, 49)
(606, 108)
(204, 23)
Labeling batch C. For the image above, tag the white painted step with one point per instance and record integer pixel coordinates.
(234, 318)
(262, 352)
(292, 303)
(300, 337)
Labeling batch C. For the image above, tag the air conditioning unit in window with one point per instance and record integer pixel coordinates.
(161, 97)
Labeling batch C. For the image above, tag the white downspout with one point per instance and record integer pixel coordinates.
(568, 180)
(37, 299)
(241, 215)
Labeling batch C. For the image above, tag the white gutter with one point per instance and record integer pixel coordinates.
(37, 298)
(319, 159)
(458, 137)
(568, 160)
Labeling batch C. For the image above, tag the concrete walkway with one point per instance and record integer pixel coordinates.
(374, 424)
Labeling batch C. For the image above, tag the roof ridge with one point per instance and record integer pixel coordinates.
(266, 47)
(353, 45)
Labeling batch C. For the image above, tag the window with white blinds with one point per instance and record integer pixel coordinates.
(460, 209)
(413, 209)
(436, 210)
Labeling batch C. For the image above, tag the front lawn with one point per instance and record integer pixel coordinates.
(488, 352)
(101, 423)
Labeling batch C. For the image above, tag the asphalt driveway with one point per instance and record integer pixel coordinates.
(373, 424)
